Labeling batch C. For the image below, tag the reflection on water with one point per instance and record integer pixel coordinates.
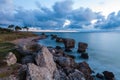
(103, 49)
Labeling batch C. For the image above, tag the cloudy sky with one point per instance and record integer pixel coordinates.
(61, 14)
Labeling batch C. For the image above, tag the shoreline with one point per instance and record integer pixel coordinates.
(63, 63)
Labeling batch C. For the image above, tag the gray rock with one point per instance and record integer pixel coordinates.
(45, 59)
(77, 75)
(69, 43)
(38, 73)
(64, 61)
(60, 75)
(85, 69)
(82, 47)
(10, 59)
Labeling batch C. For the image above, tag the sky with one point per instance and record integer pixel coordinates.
(61, 14)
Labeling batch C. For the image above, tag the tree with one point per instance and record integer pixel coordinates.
(11, 27)
(17, 28)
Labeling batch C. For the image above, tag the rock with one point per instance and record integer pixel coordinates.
(77, 75)
(59, 39)
(58, 47)
(38, 73)
(85, 69)
(99, 76)
(60, 75)
(108, 75)
(10, 59)
(64, 61)
(69, 43)
(53, 36)
(82, 47)
(23, 72)
(84, 55)
(59, 52)
(28, 59)
(45, 59)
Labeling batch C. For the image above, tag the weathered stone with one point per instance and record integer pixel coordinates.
(108, 75)
(84, 55)
(85, 69)
(28, 59)
(10, 59)
(60, 75)
(23, 72)
(38, 73)
(82, 47)
(77, 75)
(99, 76)
(45, 59)
(64, 61)
(69, 43)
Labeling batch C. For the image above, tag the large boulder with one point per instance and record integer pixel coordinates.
(64, 61)
(85, 69)
(77, 75)
(108, 75)
(60, 75)
(69, 43)
(35, 72)
(10, 59)
(82, 47)
(45, 59)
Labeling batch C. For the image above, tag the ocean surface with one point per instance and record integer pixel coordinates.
(103, 49)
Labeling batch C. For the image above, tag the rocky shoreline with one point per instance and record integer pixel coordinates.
(49, 63)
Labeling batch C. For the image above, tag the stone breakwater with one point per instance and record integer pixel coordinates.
(49, 63)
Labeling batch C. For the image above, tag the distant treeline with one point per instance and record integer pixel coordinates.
(12, 28)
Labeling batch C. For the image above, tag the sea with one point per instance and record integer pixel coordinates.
(103, 49)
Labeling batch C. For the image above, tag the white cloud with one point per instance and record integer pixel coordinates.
(66, 23)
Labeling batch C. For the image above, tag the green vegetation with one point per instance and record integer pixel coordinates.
(9, 35)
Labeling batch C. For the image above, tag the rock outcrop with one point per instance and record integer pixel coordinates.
(38, 73)
(77, 75)
(108, 75)
(69, 43)
(10, 59)
(45, 59)
(85, 69)
(82, 47)
(44, 68)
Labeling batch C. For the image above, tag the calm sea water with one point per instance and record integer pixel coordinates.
(103, 49)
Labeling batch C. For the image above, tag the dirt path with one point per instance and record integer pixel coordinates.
(24, 41)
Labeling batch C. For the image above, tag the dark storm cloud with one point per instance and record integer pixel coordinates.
(6, 11)
(55, 17)
(112, 21)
